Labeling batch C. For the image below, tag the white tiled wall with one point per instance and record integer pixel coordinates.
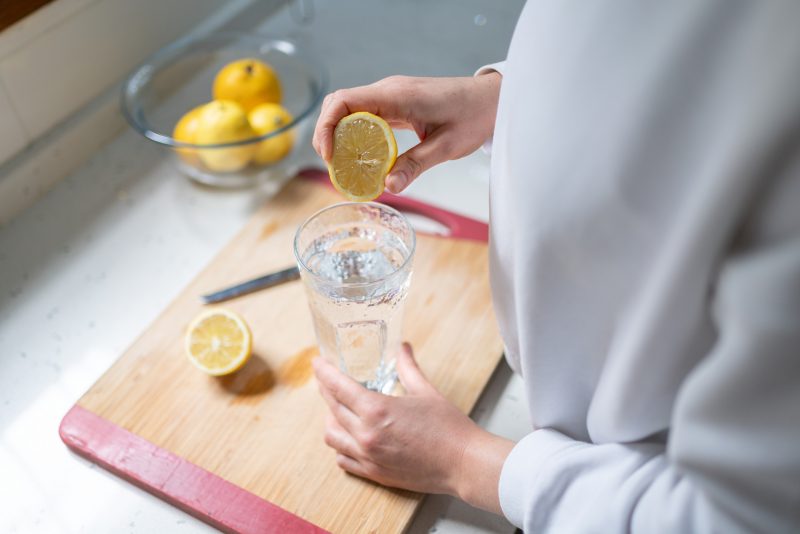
(67, 53)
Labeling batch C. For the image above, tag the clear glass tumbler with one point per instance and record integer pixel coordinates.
(355, 261)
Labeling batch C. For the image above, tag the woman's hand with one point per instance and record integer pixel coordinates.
(419, 441)
(451, 116)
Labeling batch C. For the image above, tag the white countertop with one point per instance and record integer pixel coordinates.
(88, 267)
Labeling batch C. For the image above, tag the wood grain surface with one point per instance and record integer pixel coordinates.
(262, 427)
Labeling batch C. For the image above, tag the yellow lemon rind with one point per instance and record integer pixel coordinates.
(179, 133)
(274, 149)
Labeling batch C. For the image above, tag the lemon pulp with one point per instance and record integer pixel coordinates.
(218, 342)
(364, 151)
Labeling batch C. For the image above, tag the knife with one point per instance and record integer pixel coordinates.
(262, 282)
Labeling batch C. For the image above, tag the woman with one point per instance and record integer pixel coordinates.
(645, 266)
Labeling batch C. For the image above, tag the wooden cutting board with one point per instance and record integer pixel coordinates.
(245, 453)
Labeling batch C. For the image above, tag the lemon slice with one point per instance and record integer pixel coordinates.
(364, 151)
(218, 342)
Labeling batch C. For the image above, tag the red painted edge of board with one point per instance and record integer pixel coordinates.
(459, 226)
(181, 483)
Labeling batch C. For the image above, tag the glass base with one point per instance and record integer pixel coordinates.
(385, 386)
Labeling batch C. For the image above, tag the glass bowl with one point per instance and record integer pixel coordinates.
(179, 77)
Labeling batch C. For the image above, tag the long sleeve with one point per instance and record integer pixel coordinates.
(497, 67)
(732, 459)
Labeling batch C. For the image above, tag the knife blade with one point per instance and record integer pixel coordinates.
(262, 282)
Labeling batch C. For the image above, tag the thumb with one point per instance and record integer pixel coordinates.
(409, 372)
(416, 160)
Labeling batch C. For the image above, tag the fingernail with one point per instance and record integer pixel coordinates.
(396, 181)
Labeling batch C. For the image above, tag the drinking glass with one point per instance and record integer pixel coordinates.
(355, 262)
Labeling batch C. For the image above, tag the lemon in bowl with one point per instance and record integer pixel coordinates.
(224, 122)
(249, 82)
(184, 132)
(271, 118)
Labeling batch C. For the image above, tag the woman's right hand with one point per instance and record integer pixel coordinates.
(451, 116)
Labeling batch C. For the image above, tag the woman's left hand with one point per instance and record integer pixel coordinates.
(419, 441)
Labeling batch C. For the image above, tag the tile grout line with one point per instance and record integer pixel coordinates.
(20, 123)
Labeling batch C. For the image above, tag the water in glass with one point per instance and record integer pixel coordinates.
(357, 276)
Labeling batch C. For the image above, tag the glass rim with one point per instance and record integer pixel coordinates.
(378, 205)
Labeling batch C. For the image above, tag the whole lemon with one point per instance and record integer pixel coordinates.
(266, 118)
(185, 131)
(249, 82)
(224, 121)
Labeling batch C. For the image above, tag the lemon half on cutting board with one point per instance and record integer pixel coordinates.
(218, 342)
(364, 151)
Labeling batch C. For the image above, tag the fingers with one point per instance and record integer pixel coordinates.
(340, 439)
(351, 465)
(433, 150)
(340, 412)
(334, 107)
(341, 103)
(342, 388)
(349, 455)
(409, 372)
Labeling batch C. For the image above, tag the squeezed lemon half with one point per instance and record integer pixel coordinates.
(364, 151)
